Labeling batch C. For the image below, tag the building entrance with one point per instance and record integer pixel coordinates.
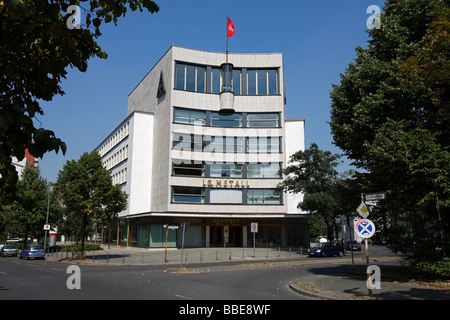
(234, 237)
(216, 236)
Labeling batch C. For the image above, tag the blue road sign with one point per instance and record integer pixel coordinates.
(365, 228)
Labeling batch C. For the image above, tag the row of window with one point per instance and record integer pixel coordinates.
(117, 137)
(191, 142)
(116, 158)
(226, 196)
(209, 79)
(227, 170)
(236, 120)
(120, 177)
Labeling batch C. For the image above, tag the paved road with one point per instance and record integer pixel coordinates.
(46, 280)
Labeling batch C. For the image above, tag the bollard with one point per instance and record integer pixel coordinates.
(123, 257)
(216, 256)
(230, 256)
(201, 257)
(107, 256)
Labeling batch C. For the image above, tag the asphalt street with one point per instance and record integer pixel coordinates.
(47, 280)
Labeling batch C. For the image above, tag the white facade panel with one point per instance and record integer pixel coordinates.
(295, 141)
(141, 160)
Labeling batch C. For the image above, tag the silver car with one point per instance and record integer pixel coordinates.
(9, 250)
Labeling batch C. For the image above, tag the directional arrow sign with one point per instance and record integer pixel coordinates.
(365, 228)
(375, 196)
(363, 210)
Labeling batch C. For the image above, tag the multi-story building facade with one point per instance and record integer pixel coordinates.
(204, 143)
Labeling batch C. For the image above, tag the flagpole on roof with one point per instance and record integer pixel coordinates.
(227, 40)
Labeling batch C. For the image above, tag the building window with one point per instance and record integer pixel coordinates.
(188, 116)
(194, 78)
(263, 145)
(262, 82)
(181, 168)
(266, 120)
(187, 142)
(215, 78)
(263, 196)
(218, 170)
(180, 70)
(224, 144)
(188, 195)
(234, 120)
(226, 196)
(251, 82)
(237, 80)
(272, 81)
(269, 170)
(190, 77)
(201, 79)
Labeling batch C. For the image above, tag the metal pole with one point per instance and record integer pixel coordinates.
(367, 265)
(167, 233)
(46, 222)
(254, 245)
(182, 245)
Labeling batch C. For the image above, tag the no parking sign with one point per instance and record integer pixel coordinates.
(365, 228)
(254, 227)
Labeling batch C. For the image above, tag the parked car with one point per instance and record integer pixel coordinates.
(353, 245)
(9, 250)
(326, 249)
(32, 251)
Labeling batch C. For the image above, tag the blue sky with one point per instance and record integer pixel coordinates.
(317, 39)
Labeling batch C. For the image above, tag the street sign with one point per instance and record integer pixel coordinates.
(365, 228)
(46, 227)
(254, 227)
(363, 210)
(375, 196)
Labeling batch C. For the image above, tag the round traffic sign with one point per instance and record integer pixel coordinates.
(365, 228)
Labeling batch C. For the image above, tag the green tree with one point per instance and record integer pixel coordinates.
(36, 48)
(25, 217)
(85, 188)
(390, 115)
(312, 172)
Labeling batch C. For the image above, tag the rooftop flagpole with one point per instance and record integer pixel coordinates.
(227, 40)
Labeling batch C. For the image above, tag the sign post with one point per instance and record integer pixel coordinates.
(254, 230)
(185, 224)
(365, 229)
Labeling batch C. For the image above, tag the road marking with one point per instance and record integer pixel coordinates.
(3, 272)
(180, 296)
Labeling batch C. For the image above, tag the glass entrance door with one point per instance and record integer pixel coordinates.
(235, 236)
(216, 236)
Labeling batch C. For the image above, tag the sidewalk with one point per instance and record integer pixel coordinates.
(340, 285)
(141, 256)
(327, 279)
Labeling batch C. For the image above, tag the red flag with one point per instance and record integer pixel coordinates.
(230, 28)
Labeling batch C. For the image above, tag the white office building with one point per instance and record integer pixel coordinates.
(204, 143)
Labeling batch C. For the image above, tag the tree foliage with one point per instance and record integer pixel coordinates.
(312, 172)
(390, 115)
(86, 190)
(36, 48)
(25, 217)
